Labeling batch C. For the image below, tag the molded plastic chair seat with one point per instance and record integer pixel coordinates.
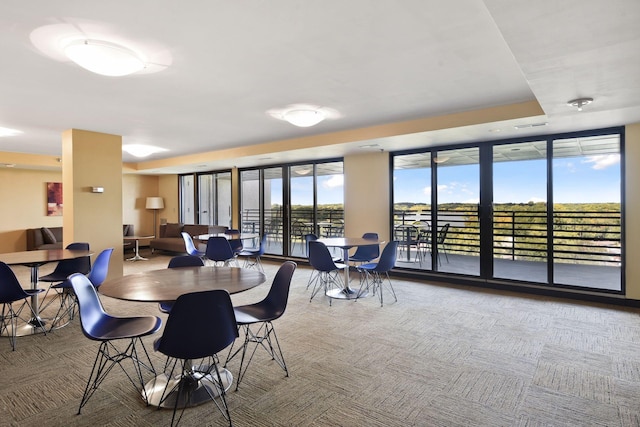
(97, 275)
(99, 326)
(374, 271)
(67, 267)
(329, 273)
(219, 251)
(11, 292)
(200, 325)
(366, 253)
(64, 269)
(263, 313)
(252, 256)
(190, 246)
(177, 262)
(234, 240)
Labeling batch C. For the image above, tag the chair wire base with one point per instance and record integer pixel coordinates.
(262, 337)
(375, 282)
(192, 385)
(9, 321)
(108, 356)
(325, 280)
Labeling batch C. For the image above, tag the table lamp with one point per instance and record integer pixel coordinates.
(155, 203)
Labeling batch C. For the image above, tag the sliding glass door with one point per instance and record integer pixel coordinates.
(587, 212)
(289, 201)
(544, 210)
(520, 211)
(455, 232)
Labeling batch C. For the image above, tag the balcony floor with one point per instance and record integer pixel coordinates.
(581, 275)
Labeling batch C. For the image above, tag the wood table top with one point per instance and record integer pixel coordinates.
(349, 242)
(42, 256)
(169, 283)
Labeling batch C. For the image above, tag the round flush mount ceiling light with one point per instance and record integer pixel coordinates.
(579, 102)
(304, 118)
(303, 115)
(104, 58)
(100, 48)
(141, 150)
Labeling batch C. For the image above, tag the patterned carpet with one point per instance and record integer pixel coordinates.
(440, 356)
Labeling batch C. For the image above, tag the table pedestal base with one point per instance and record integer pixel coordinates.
(33, 326)
(196, 387)
(347, 293)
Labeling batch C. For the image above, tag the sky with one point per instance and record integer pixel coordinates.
(587, 179)
(330, 190)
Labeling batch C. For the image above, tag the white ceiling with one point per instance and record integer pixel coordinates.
(373, 61)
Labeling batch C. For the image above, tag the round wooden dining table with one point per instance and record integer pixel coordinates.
(167, 285)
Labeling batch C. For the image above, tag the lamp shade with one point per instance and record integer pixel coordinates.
(155, 203)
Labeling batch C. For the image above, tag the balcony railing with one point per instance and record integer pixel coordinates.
(579, 237)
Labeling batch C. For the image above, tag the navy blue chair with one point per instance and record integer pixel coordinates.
(99, 326)
(252, 256)
(98, 274)
(366, 253)
(377, 271)
(64, 269)
(234, 240)
(177, 262)
(67, 267)
(263, 313)
(329, 273)
(219, 251)
(190, 246)
(200, 325)
(11, 292)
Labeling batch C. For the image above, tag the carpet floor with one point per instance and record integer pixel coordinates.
(439, 356)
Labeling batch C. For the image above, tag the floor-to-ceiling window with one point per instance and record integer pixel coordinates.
(187, 199)
(587, 212)
(520, 211)
(205, 198)
(541, 209)
(456, 227)
(289, 201)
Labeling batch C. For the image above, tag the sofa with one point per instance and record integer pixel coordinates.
(51, 237)
(44, 238)
(170, 238)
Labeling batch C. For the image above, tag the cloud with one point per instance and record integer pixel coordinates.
(603, 161)
(334, 182)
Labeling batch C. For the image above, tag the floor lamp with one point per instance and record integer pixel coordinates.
(155, 203)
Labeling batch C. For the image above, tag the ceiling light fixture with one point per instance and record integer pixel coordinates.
(304, 118)
(579, 102)
(9, 132)
(140, 150)
(303, 115)
(104, 58)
